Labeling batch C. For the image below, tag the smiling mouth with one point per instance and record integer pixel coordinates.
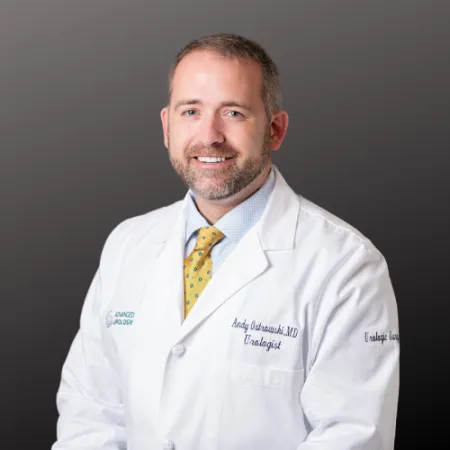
(213, 159)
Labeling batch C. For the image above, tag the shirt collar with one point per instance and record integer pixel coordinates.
(235, 224)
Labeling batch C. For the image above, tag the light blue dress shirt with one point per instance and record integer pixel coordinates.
(234, 224)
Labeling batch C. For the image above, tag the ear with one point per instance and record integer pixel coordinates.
(165, 125)
(278, 128)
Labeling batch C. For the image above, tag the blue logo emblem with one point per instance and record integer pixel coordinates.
(109, 319)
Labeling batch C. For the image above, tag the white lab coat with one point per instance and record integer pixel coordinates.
(293, 344)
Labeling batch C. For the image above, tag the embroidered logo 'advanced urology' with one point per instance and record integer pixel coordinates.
(123, 318)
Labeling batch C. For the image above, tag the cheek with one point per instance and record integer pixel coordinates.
(179, 136)
(247, 140)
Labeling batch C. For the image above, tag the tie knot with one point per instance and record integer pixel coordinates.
(207, 237)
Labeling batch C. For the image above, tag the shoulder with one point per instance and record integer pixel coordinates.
(340, 256)
(330, 232)
(317, 231)
(152, 226)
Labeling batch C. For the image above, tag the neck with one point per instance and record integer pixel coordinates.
(214, 210)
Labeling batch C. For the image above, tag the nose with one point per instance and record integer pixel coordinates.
(210, 131)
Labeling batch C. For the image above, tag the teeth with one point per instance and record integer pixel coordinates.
(210, 159)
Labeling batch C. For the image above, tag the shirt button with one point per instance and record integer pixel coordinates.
(168, 445)
(178, 350)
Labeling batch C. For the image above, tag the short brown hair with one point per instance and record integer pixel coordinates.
(241, 48)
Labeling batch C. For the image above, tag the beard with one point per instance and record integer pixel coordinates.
(221, 183)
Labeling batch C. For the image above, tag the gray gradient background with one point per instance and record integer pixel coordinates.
(366, 84)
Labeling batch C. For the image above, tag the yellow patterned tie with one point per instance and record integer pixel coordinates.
(198, 266)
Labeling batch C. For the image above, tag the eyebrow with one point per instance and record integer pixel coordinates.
(193, 101)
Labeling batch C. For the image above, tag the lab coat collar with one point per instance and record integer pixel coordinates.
(277, 226)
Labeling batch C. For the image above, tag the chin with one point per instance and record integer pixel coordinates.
(211, 191)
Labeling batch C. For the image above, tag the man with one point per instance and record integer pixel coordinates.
(244, 316)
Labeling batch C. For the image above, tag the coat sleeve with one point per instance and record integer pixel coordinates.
(351, 389)
(89, 399)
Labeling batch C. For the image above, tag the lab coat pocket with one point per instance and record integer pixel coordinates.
(254, 375)
(257, 400)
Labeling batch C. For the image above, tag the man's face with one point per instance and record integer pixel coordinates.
(216, 111)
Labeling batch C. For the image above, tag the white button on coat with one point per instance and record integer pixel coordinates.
(178, 350)
(169, 445)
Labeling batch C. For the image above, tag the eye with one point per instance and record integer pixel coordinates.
(189, 112)
(235, 114)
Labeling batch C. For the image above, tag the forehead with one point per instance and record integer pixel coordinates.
(208, 76)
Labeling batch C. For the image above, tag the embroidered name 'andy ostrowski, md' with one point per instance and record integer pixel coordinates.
(262, 341)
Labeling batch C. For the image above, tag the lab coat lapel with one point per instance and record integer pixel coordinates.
(164, 296)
